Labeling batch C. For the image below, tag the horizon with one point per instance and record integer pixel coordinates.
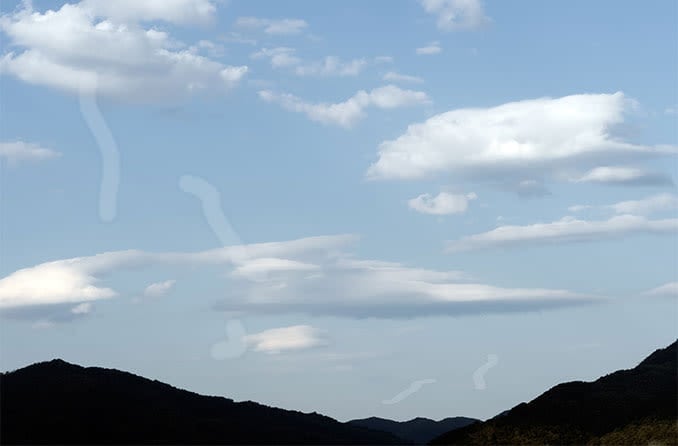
(397, 210)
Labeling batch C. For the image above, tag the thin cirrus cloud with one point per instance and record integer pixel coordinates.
(392, 76)
(442, 204)
(645, 206)
(278, 340)
(669, 289)
(456, 15)
(545, 136)
(347, 113)
(625, 176)
(565, 230)
(285, 57)
(159, 289)
(272, 26)
(315, 275)
(80, 49)
(430, 49)
(16, 152)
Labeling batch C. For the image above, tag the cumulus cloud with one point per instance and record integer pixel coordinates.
(347, 113)
(442, 204)
(565, 230)
(431, 48)
(277, 340)
(19, 151)
(456, 15)
(159, 289)
(541, 136)
(78, 50)
(621, 175)
(392, 76)
(182, 12)
(279, 57)
(315, 275)
(668, 289)
(272, 26)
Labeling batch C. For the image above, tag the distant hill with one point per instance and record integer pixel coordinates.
(58, 402)
(636, 406)
(416, 431)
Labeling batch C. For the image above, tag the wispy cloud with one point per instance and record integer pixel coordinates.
(272, 26)
(392, 76)
(159, 289)
(277, 340)
(625, 175)
(347, 113)
(430, 49)
(442, 204)
(456, 15)
(565, 230)
(16, 152)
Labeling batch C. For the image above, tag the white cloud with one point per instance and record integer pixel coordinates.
(73, 50)
(623, 175)
(392, 76)
(83, 308)
(181, 12)
(277, 340)
(314, 275)
(383, 59)
(668, 289)
(565, 230)
(431, 48)
(645, 206)
(442, 204)
(649, 205)
(671, 110)
(455, 15)
(542, 135)
(332, 66)
(19, 151)
(272, 26)
(285, 57)
(280, 57)
(159, 289)
(347, 113)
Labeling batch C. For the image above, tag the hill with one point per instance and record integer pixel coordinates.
(58, 402)
(416, 431)
(635, 406)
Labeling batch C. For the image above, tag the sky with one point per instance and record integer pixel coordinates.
(408, 208)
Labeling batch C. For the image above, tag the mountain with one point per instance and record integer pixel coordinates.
(636, 406)
(417, 430)
(58, 402)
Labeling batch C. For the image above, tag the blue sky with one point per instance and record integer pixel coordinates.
(315, 205)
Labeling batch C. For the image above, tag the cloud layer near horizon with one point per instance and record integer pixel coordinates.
(315, 275)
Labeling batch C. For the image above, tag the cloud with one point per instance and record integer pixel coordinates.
(182, 12)
(383, 59)
(277, 340)
(75, 50)
(668, 289)
(392, 76)
(19, 151)
(280, 57)
(430, 49)
(83, 308)
(565, 230)
(543, 136)
(272, 26)
(347, 113)
(332, 66)
(626, 176)
(159, 289)
(314, 275)
(285, 57)
(442, 204)
(456, 15)
(645, 206)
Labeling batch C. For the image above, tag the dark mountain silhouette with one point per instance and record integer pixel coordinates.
(636, 406)
(416, 431)
(58, 402)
